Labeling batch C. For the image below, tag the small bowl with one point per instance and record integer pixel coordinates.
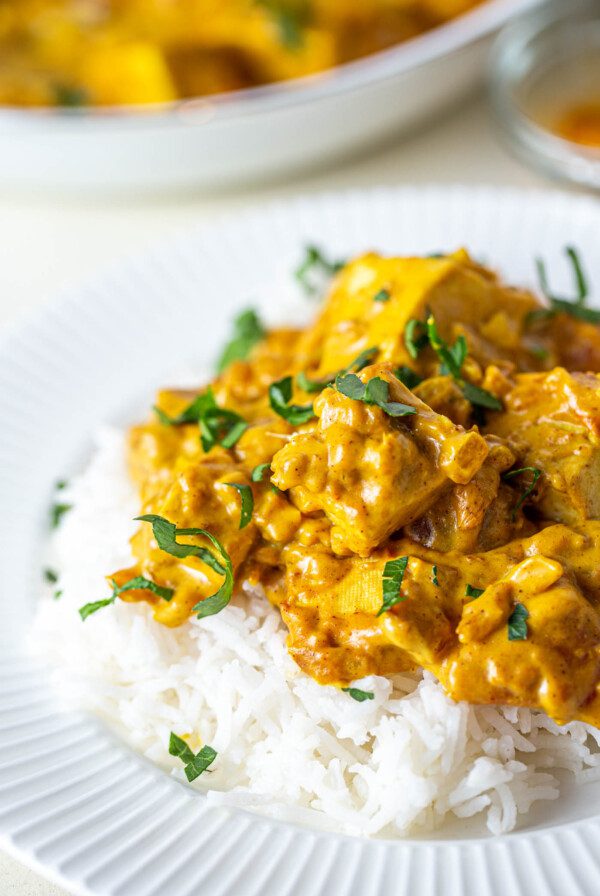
(542, 65)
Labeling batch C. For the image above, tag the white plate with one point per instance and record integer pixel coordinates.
(73, 800)
(252, 134)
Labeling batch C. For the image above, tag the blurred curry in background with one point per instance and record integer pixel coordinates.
(113, 52)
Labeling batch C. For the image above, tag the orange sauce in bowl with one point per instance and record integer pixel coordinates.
(580, 124)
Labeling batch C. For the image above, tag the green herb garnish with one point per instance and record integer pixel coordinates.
(452, 358)
(536, 473)
(57, 594)
(375, 391)
(139, 582)
(51, 576)
(259, 471)
(69, 96)
(280, 394)
(408, 377)
(247, 332)
(191, 414)
(384, 295)
(415, 337)
(575, 307)
(470, 591)
(166, 534)
(195, 764)
(355, 366)
(480, 397)
(434, 576)
(247, 502)
(517, 623)
(57, 511)
(291, 18)
(219, 426)
(315, 262)
(539, 352)
(358, 695)
(312, 386)
(393, 574)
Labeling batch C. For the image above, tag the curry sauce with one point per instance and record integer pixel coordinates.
(120, 52)
(413, 480)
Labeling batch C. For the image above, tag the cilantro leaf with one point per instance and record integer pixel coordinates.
(191, 414)
(247, 332)
(219, 426)
(195, 764)
(259, 471)
(452, 358)
(393, 575)
(375, 391)
(408, 377)
(358, 695)
(291, 17)
(470, 591)
(517, 623)
(70, 96)
(575, 307)
(137, 583)
(280, 394)
(536, 473)
(166, 534)
(384, 295)
(200, 763)
(358, 364)
(315, 263)
(247, 502)
(415, 337)
(480, 397)
(434, 576)
(57, 511)
(179, 748)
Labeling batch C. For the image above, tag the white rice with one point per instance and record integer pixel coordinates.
(402, 763)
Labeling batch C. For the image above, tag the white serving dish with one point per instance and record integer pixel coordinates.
(254, 134)
(75, 802)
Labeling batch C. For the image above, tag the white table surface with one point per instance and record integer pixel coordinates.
(47, 244)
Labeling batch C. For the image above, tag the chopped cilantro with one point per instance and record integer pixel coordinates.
(195, 764)
(280, 394)
(375, 391)
(536, 473)
(247, 502)
(166, 534)
(358, 695)
(393, 575)
(247, 332)
(517, 623)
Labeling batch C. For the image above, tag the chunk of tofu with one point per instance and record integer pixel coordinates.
(330, 609)
(478, 516)
(200, 497)
(125, 73)
(552, 421)
(371, 473)
(153, 449)
(563, 633)
(453, 288)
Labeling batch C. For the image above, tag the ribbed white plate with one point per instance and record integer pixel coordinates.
(75, 802)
